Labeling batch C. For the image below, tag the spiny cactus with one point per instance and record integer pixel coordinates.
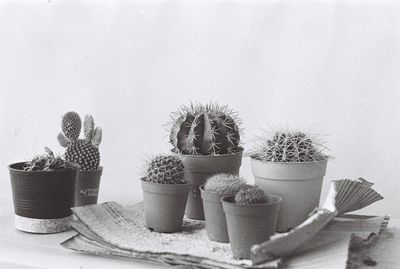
(84, 152)
(224, 183)
(250, 195)
(46, 162)
(205, 129)
(288, 147)
(165, 169)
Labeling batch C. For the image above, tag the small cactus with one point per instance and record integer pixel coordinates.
(288, 147)
(205, 130)
(249, 194)
(165, 169)
(84, 152)
(46, 162)
(224, 183)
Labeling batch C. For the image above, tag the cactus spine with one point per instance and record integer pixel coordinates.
(224, 183)
(84, 152)
(205, 129)
(249, 194)
(289, 147)
(165, 169)
(46, 162)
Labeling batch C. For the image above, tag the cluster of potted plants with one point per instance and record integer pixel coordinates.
(46, 187)
(204, 167)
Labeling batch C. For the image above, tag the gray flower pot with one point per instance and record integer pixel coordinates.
(200, 167)
(214, 215)
(164, 205)
(250, 224)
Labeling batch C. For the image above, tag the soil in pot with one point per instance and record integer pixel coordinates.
(250, 224)
(298, 183)
(87, 187)
(214, 215)
(164, 205)
(42, 199)
(200, 167)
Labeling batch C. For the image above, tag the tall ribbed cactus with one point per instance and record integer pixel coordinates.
(205, 129)
(249, 194)
(84, 152)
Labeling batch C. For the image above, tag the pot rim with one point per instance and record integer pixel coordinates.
(288, 163)
(39, 171)
(241, 150)
(276, 200)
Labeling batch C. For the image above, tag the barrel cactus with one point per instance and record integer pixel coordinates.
(84, 152)
(289, 146)
(249, 194)
(205, 130)
(165, 169)
(224, 183)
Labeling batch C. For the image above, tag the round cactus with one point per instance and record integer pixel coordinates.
(224, 183)
(165, 169)
(84, 152)
(289, 147)
(205, 129)
(249, 194)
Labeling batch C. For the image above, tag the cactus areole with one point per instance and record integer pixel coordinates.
(84, 152)
(205, 130)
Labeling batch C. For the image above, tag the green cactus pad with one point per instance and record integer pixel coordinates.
(249, 194)
(224, 183)
(83, 153)
(165, 169)
(71, 125)
(205, 129)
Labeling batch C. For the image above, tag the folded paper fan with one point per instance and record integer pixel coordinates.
(344, 196)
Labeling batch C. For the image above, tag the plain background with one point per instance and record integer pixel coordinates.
(329, 67)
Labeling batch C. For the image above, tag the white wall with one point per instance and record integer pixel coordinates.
(333, 67)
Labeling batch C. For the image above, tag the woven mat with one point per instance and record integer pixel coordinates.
(110, 229)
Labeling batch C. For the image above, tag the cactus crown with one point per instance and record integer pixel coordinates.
(250, 195)
(289, 146)
(224, 183)
(165, 169)
(46, 162)
(205, 129)
(84, 152)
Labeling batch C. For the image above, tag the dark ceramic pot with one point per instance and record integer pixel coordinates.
(164, 205)
(214, 215)
(200, 167)
(87, 187)
(42, 199)
(250, 224)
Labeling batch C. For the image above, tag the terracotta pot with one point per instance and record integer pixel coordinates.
(87, 187)
(200, 167)
(250, 224)
(214, 215)
(298, 183)
(42, 199)
(164, 205)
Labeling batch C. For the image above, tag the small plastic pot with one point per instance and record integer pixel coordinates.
(214, 215)
(164, 205)
(250, 224)
(200, 167)
(42, 199)
(87, 187)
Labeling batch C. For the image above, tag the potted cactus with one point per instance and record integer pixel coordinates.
(43, 193)
(291, 165)
(251, 218)
(206, 137)
(85, 153)
(165, 194)
(217, 187)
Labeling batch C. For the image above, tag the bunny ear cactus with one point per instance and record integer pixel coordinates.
(224, 183)
(205, 129)
(165, 169)
(250, 195)
(84, 152)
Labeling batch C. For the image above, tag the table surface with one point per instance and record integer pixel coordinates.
(24, 250)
